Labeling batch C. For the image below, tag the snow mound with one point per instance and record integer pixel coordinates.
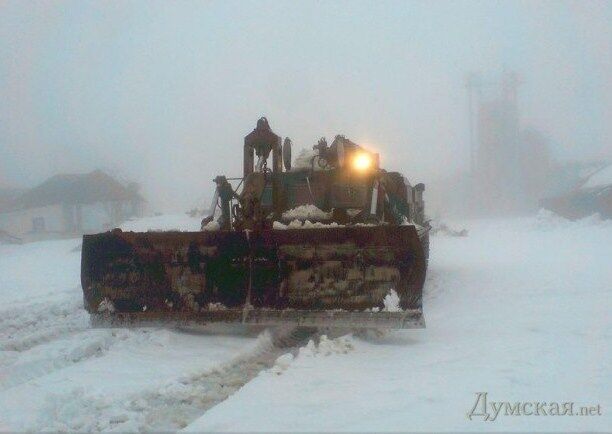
(178, 222)
(327, 347)
(305, 159)
(216, 306)
(391, 302)
(306, 212)
(106, 306)
(282, 363)
(548, 220)
(212, 226)
(297, 224)
(442, 228)
(278, 226)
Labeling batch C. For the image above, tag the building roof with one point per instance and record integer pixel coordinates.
(74, 189)
(593, 196)
(572, 176)
(601, 178)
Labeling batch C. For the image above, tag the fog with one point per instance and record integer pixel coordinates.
(163, 93)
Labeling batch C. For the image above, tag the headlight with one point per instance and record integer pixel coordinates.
(362, 162)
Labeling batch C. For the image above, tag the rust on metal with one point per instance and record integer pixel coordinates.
(408, 319)
(186, 273)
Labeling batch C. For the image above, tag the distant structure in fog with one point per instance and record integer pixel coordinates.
(592, 195)
(509, 165)
(68, 205)
(512, 170)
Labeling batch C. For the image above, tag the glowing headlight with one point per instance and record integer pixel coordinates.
(362, 162)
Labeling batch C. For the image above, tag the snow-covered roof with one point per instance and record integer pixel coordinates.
(85, 188)
(601, 178)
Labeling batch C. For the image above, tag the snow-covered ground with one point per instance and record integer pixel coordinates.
(56, 373)
(518, 309)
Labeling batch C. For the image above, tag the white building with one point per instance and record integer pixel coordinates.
(68, 205)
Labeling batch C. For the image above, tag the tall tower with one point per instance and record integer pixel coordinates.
(495, 151)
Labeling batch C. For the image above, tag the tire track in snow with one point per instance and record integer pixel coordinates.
(56, 355)
(27, 326)
(38, 338)
(173, 406)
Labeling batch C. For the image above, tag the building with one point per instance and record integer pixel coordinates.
(69, 205)
(510, 165)
(593, 195)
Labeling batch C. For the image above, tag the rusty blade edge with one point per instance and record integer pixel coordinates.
(409, 319)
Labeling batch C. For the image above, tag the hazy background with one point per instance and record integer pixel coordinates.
(163, 92)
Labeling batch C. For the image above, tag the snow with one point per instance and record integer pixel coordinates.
(519, 309)
(309, 225)
(391, 302)
(600, 178)
(304, 160)
(306, 212)
(279, 226)
(212, 226)
(297, 224)
(282, 363)
(88, 378)
(38, 271)
(106, 306)
(178, 222)
(546, 220)
(58, 374)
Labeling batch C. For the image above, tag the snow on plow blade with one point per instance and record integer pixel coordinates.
(336, 277)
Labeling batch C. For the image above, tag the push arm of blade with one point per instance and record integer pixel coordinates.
(374, 203)
(340, 150)
(310, 189)
(213, 205)
(261, 161)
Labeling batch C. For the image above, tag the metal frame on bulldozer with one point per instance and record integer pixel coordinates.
(408, 319)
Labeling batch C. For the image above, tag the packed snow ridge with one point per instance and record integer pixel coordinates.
(179, 222)
(548, 221)
(306, 212)
(391, 302)
(324, 347)
(298, 224)
(305, 160)
(212, 226)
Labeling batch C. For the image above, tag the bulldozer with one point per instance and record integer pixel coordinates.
(331, 241)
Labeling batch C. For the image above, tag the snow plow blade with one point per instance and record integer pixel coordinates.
(412, 318)
(320, 277)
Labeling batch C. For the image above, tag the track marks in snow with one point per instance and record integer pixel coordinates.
(177, 403)
(24, 327)
(54, 355)
(37, 339)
